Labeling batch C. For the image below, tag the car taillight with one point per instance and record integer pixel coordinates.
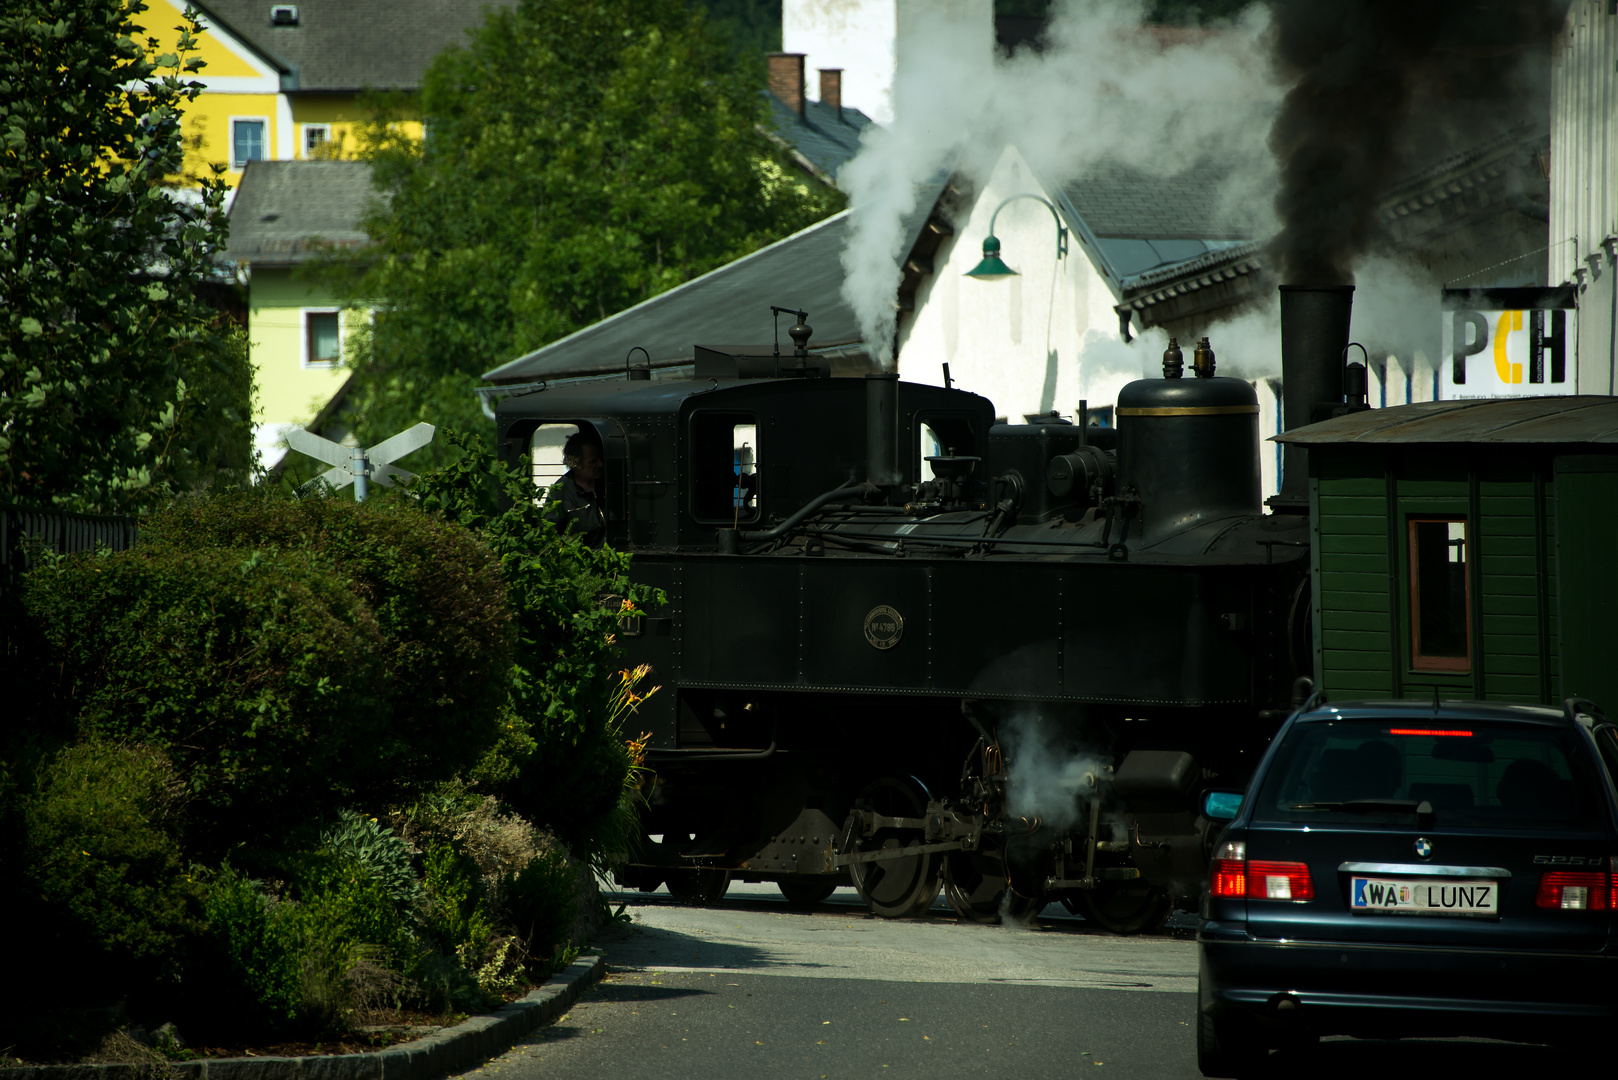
(1234, 876)
(1279, 881)
(1577, 890)
(1229, 875)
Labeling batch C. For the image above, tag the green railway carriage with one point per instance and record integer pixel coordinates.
(1468, 548)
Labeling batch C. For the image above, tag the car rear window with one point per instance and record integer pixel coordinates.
(1478, 774)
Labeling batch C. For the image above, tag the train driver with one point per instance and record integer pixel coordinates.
(574, 502)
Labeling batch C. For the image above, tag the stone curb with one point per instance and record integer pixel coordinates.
(468, 1044)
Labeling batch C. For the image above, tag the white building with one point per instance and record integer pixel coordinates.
(1584, 183)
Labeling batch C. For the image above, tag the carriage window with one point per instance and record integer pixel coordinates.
(545, 451)
(1440, 612)
(942, 436)
(725, 464)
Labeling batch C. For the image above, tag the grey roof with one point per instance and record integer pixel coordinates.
(1143, 204)
(351, 45)
(1439, 193)
(1570, 419)
(287, 212)
(1140, 223)
(730, 304)
(824, 138)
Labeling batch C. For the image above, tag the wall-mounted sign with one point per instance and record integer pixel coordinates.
(1509, 343)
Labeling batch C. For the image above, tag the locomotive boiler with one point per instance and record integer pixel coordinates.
(908, 647)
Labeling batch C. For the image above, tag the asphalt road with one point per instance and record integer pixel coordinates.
(751, 988)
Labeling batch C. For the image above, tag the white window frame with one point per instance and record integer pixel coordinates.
(309, 129)
(310, 363)
(269, 148)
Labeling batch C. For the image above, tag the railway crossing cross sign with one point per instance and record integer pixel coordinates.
(355, 464)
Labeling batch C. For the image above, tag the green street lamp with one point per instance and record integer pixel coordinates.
(992, 268)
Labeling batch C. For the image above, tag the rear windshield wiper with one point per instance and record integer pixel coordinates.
(1422, 808)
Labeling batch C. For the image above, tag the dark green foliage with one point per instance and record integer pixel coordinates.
(284, 965)
(94, 881)
(118, 381)
(103, 864)
(377, 849)
(751, 27)
(259, 670)
(338, 914)
(290, 657)
(541, 903)
(436, 596)
(456, 915)
(247, 970)
(562, 756)
(582, 158)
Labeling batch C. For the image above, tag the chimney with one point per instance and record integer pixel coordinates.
(1314, 336)
(786, 80)
(831, 89)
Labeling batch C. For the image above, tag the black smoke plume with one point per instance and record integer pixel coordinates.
(1378, 86)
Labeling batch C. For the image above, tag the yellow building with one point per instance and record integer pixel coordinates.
(283, 82)
(285, 215)
(280, 110)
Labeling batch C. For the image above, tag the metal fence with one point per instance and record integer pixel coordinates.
(58, 531)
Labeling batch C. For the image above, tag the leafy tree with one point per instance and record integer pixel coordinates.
(563, 760)
(580, 158)
(117, 380)
(753, 26)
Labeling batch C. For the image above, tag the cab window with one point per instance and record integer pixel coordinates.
(545, 455)
(942, 435)
(726, 467)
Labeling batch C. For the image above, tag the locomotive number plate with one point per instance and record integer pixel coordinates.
(884, 627)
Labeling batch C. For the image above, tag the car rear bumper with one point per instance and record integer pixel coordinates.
(1334, 988)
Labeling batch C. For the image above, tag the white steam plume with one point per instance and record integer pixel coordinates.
(1047, 775)
(1106, 90)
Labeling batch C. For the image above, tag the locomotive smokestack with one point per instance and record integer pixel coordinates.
(881, 427)
(1314, 333)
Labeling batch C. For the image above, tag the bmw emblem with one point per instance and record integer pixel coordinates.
(1424, 848)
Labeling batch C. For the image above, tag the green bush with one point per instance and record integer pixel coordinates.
(249, 973)
(102, 863)
(434, 591)
(378, 849)
(97, 894)
(288, 964)
(258, 672)
(291, 657)
(541, 904)
(341, 915)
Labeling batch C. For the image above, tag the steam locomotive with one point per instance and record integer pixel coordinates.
(913, 648)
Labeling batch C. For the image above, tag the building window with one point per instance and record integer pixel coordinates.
(323, 339)
(1440, 595)
(313, 136)
(246, 142)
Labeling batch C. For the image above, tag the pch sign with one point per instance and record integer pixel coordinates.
(1509, 343)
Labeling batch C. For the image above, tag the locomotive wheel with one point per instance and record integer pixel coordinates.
(1021, 909)
(809, 890)
(972, 889)
(703, 887)
(896, 888)
(1121, 907)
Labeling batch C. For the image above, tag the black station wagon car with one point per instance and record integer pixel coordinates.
(1401, 868)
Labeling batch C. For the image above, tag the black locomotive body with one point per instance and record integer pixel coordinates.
(907, 645)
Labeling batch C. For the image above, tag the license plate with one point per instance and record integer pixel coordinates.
(1424, 896)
